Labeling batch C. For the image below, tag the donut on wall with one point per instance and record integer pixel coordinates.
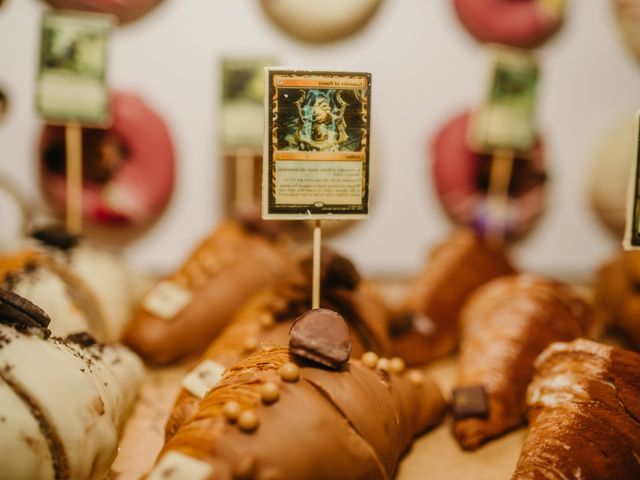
(325, 21)
(628, 13)
(517, 23)
(128, 169)
(125, 10)
(461, 179)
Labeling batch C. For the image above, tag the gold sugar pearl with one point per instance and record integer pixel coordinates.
(248, 421)
(232, 410)
(396, 365)
(209, 262)
(369, 360)
(266, 320)
(415, 377)
(383, 364)
(250, 344)
(270, 392)
(290, 372)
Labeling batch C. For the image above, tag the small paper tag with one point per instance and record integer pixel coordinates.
(316, 161)
(73, 65)
(505, 121)
(166, 299)
(178, 466)
(203, 378)
(632, 231)
(555, 8)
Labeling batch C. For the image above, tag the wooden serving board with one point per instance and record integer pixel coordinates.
(435, 455)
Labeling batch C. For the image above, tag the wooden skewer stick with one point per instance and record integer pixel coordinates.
(73, 143)
(245, 172)
(499, 179)
(315, 291)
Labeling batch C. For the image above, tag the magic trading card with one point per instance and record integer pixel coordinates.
(632, 231)
(316, 162)
(242, 114)
(505, 121)
(72, 72)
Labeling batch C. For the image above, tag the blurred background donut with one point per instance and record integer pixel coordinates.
(314, 21)
(125, 10)
(128, 169)
(517, 23)
(461, 179)
(610, 175)
(628, 14)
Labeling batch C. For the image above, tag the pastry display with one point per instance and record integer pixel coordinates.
(461, 178)
(183, 312)
(278, 415)
(70, 303)
(125, 10)
(523, 24)
(617, 294)
(128, 169)
(62, 402)
(427, 325)
(313, 22)
(267, 320)
(506, 324)
(583, 407)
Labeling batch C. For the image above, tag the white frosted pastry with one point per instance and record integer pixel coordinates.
(103, 272)
(71, 305)
(77, 391)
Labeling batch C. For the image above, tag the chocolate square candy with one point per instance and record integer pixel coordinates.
(470, 401)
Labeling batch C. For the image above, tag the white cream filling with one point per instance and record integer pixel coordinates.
(177, 466)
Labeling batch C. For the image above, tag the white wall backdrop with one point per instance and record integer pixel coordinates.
(425, 69)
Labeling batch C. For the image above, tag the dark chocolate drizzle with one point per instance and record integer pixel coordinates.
(56, 236)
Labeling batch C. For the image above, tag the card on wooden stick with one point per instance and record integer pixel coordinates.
(316, 161)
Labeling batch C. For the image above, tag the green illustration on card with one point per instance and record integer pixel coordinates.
(73, 68)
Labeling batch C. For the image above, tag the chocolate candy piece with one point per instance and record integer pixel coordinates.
(470, 401)
(21, 313)
(56, 236)
(321, 336)
(335, 270)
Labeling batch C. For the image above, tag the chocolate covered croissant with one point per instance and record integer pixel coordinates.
(427, 325)
(617, 294)
(267, 318)
(275, 416)
(185, 311)
(584, 414)
(62, 402)
(505, 325)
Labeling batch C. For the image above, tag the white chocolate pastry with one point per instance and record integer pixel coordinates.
(103, 272)
(71, 305)
(62, 402)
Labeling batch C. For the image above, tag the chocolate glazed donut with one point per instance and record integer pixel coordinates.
(461, 179)
(517, 23)
(129, 168)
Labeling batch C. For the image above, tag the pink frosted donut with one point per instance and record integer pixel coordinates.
(461, 180)
(128, 169)
(125, 10)
(517, 23)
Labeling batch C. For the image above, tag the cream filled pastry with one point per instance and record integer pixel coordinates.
(62, 401)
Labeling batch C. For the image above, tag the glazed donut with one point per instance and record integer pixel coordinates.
(610, 175)
(628, 13)
(126, 10)
(313, 21)
(517, 23)
(461, 181)
(128, 168)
